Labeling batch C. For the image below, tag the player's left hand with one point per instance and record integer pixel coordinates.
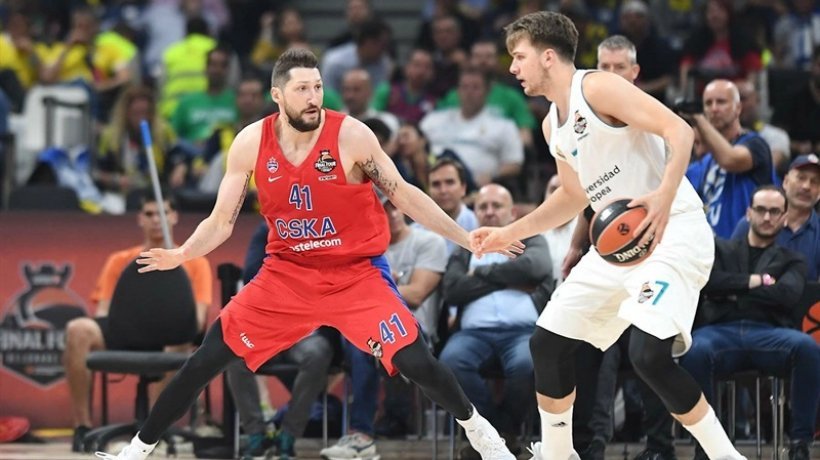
(484, 240)
(658, 204)
(159, 259)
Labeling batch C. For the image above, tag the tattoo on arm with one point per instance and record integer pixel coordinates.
(241, 199)
(375, 174)
(667, 151)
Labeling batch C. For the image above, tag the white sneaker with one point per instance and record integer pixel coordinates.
(351, 446)
(132, 451)
(486, 441)
(535, 450)
(128, 452)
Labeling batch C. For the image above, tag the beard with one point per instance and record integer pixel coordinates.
(295, 120)
(764, 234)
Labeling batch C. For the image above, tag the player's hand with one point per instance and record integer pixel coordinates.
(658, 204)
(485, 240)
(159, 259)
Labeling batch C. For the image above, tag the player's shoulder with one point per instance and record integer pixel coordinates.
(355, 133)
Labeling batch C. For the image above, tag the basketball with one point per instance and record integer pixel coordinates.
(610, 231)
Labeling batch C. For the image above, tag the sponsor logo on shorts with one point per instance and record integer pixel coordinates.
(646, 293)
(375, 348)
(246, 340)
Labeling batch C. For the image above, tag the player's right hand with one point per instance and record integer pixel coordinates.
(159, 259)
(484, 240)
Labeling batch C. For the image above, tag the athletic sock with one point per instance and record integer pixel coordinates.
(473, 421)
(556, 434)
(142, 446)
(711, 436)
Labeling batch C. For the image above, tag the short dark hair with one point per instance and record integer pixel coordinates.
(291, 59)
(379, 128)
(442, 162)
(196, 25)
(147, 196)
(469, 70)
(371, 29)
(219, 49)
(545, 29)
(770, 187)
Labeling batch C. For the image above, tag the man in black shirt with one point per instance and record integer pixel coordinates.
(746, 318)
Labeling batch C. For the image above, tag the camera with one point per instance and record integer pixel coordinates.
(688, 107)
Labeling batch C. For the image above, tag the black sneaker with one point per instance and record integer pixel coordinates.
(595, 450)
(799, 451)
(78, 441)
(653, 455)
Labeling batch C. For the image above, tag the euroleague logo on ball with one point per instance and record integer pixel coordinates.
(611, 231)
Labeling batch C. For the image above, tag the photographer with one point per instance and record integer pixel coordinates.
(736, 162)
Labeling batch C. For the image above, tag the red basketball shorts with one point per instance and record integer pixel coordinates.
(287, 301)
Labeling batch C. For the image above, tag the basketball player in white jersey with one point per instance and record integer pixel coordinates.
(600, 130)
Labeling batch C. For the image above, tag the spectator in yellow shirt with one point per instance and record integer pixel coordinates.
(18, 61)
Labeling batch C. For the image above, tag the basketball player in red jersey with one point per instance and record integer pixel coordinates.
(314, 171)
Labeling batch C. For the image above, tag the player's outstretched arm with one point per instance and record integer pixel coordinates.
(218, 226)
(612, 96)
(377, 165)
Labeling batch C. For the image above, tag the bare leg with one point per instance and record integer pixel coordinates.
(83, 335)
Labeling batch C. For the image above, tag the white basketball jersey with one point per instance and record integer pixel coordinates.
(612, 162)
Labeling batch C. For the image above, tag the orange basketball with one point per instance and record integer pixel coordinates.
(811, 322)
(611, 229)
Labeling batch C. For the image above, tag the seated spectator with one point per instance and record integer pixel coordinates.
(207, 169)
(357, 12)
(409, 98)
(100, 67)
(796, 34)
(746, 318)
(19, 64)
(801, 233)
(84, 335)
(499, 300)
(368, 52)
(122, 165)
(449, 56)
(412, 157)
(199, 112)
(719, 49)
(488, 144)
(448, 187)
(654, 54)
(278, 31)
(737, 162)
(800, 116)
(503, 100)
(751, 118)
(313, 355)
(357, 92)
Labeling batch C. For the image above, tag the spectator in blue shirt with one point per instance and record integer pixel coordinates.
(736, 163)
(802, 231)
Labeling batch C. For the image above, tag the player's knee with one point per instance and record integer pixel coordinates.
(649, 356)
(547, 346)
(415, 360)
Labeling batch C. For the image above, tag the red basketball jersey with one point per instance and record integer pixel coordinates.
(310, 208)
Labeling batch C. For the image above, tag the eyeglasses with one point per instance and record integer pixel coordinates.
(762, 210)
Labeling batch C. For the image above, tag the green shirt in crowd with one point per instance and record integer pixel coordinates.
(199, 113)
(508, 103)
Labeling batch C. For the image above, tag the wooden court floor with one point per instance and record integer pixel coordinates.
(308, 449)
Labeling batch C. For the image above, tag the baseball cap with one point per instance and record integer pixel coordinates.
(805, 160)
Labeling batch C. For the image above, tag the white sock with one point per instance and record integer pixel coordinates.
(711, 436)
(472, 422)
(137, 443)
(556, 434)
